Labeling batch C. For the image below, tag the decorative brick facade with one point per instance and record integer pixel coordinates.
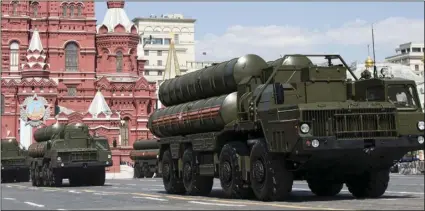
(77, 62)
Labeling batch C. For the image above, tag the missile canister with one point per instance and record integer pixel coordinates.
(46, 133)
(211, 81)
(144, 154)
(146, 144)
(36, 150)
(200, 116)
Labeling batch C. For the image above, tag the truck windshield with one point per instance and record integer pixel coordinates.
(402, 96)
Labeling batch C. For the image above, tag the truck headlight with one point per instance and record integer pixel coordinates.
(305, 128)
(315, 143)
(421, 125)
(157, 156)
(420, 139)
(59, 159)
(109, 156)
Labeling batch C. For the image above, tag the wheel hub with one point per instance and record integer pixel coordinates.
(227, 172)
(259, 171)
(187, 169)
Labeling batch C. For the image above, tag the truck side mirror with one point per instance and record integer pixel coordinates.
(279, 93)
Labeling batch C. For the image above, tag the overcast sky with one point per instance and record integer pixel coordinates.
(228, 30)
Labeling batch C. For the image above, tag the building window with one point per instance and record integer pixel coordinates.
(159, 53)
(14, 56)
(176, 39)
(417, 67)
(124, 132)
(119, 61)
(2, 104)
(15, 8)
(64, 10)
(71, 10)
(157, 41)
(416, 50)
(146, 53)
(71, 57)
(160, 72)
(167, 41)
(147, 62)
(72, 91)
(35, 9)
(159, 63)
(79, 10)
(146, 72)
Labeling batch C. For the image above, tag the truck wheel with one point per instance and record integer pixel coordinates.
(137, 172)
(33, 180)
(230, 172)
(56, 178)
(371, 184)
(100, 177)
(270, 180)
(38, 178)
(324, 187)
(45, 175)
(172, 183)
(193, 183)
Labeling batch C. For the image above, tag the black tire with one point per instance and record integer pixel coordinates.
(38, 178)
(324, 187)
(230, 172)
(270, 180)
(371, 184)
(56, 177)
(45, 176)
(33, 179)
(172, 183)
(195, 184)
(147, 172)
(99, 176)
(137, 172)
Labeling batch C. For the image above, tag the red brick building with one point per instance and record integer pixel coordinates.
(87, 73)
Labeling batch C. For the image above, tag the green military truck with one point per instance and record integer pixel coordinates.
(145, 157)
(14, 162)
(258, 127)
(67, 151)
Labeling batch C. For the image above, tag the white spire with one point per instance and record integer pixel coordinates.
(99, 105)
(35, 43)
(115, 16)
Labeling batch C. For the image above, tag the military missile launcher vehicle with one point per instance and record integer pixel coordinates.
(67, 151)
(145, 157)
(259, 126)
(14, 162)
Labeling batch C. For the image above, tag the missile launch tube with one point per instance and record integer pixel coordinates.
(37, 150)
(200, 116)
(215, 80)
(146, 144)
(46, 133)
(144, 154)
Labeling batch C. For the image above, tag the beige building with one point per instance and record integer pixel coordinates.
(410, 54)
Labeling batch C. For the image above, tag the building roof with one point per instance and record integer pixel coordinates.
(115, 16)
(166, 20)
(99, 105)
(35, 43)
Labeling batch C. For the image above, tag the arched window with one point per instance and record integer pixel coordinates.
(119, 61)
(64, 10)
(71, 10)
(35, 9)
(79, 10)
(124, 132)
(2, 104)
(15, 8)
(14, 56)
(71, 57)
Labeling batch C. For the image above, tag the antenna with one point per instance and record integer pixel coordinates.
(375, 72)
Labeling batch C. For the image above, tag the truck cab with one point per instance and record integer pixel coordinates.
(14, 161)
